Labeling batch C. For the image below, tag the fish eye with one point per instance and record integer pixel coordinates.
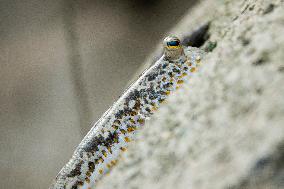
(173, 43)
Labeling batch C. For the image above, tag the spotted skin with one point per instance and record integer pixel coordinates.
(100, 150)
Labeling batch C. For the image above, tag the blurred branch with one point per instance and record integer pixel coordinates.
(75, 62)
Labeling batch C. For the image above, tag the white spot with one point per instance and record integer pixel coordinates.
(131, 103)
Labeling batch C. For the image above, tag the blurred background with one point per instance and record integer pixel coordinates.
(62, 64)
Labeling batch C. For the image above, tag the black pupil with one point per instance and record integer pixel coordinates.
(173, 43)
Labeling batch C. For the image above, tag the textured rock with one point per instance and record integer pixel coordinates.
(225, 128)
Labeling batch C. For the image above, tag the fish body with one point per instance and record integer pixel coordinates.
(99, 151)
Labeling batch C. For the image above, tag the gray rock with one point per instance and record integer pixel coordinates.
(225, 127)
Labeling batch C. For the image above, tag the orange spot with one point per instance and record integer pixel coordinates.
(126, 139)
(193, 69)
(88, 173)
(113, 162)
(137, 105)
(130, 129)
(101, 160)
(154, 108)
(101, 171)
(141, 121)
(122, 131)
(123, 149)
(180, 81)
(104, 153)
(162, 101)
(87, 180)
(117, 122)
(189, 64)
(109, 149)
(115, 140)
(108, 166)
(132, 121)
(115, 127)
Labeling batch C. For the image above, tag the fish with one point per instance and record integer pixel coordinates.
(101, 148)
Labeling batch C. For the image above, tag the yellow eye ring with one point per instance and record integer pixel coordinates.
(173, 47)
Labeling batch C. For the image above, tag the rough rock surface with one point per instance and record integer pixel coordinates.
(225, 128)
